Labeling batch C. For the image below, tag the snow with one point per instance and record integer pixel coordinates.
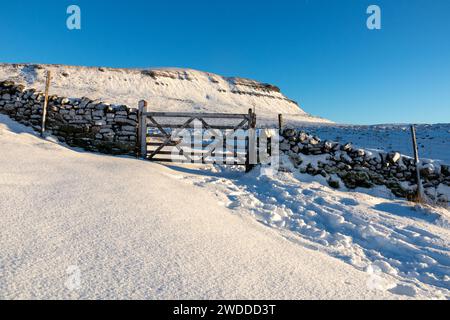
(134, 229)
(408, 245)
(181, 90)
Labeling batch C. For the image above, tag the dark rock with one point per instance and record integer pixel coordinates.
(445, 170)
(354, 179)
(334, 183)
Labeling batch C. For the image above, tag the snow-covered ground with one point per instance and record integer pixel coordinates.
(134, 229)
(369, 232)
(166, 90)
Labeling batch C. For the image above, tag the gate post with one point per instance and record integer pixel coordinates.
(280, 123)
(251, 149)
(142, 129)
(420, 195)
(44, 107)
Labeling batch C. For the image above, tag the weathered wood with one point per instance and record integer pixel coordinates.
(191, 126)
(280, 123)
(206, 151)
(235, 149)
(157, 136)
(142, 135)
(196, 115)
(157, 144)
(168, 140)
(251, 152)
(227, 154)
(44, 107)
(420, 191)
(157, 125)
(203, 161)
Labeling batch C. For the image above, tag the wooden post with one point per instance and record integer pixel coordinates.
(420, 192)
(142, 128)
(44, 107)
(251, 150)
(280, 123)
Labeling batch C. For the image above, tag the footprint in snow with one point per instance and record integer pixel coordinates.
(349, 202)
(320, 201)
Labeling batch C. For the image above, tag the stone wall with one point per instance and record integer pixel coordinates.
(91, 125)
(344, 164)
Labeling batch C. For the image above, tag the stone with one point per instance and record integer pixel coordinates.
(101, 106)
(285, 146)
(427, 170)
(98, 113)
(120, 108)
(303, 137)
(6, 84)
(347, 147)
(333, 183)
(354, 179)
(361, 152)
(129, 128)
(346, 158)
(445, 170)
(84, 102)
(394, 157)
(328, 145)
(122, 120)
(289, 133)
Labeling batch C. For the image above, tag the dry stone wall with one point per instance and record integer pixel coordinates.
(342, 164)
(91, 125)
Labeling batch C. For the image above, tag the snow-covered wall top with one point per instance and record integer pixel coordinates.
(168, 89)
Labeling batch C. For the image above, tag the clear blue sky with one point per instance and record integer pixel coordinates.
(318, 51)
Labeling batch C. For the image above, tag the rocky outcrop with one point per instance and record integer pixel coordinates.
(354, 167)
(85, 123)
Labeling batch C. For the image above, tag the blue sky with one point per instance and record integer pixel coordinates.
(319, 52)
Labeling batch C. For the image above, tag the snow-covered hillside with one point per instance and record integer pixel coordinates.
(128, 228)
(167, 89)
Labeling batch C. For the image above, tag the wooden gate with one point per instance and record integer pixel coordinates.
(229, 139)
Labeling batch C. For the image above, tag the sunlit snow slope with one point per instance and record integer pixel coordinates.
(165, 89)
(129, 228)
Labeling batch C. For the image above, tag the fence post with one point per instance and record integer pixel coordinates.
(142, 129)
(420, 192)
(280, 123)
(44, 107)
(251, 151)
